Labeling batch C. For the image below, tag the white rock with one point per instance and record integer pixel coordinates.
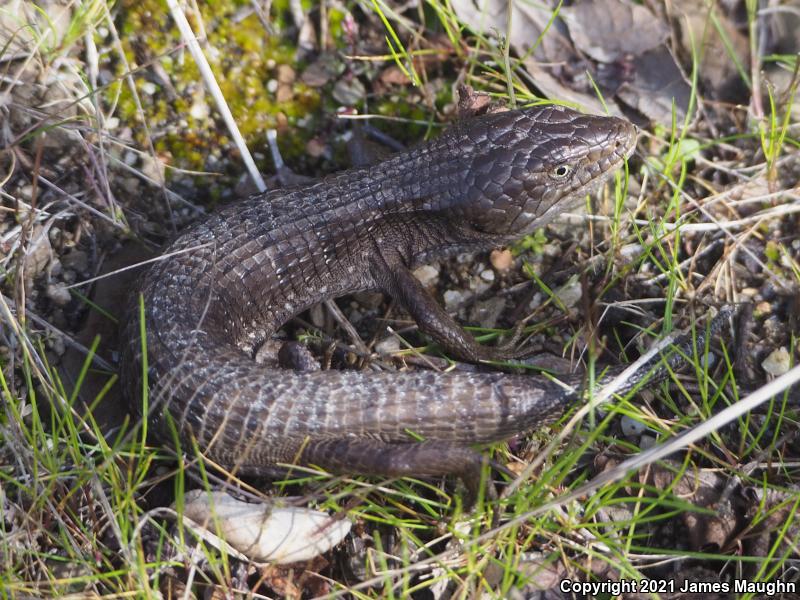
(388, 345)
(427, 275)
(58, 294)
(199, 109)
(631, 427)
(261, 532)
(778, 362)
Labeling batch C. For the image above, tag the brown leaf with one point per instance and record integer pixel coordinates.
(708, 489)
(393, 75)
(718, 72)
(558, 79)
(608, 30)
(657, 82)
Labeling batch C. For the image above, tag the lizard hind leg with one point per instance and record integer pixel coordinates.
(401, 459)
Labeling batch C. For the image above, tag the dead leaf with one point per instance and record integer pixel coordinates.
(658, 82)
(699, 32)
(261, 532)
(609, 30)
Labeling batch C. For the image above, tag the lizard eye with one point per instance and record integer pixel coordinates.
(561, 171)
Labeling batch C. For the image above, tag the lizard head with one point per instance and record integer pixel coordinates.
(529, 165)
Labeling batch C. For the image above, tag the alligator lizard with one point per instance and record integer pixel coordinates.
(230, 282)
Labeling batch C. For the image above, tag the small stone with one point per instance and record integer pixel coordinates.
(286, 77)
(427, 275)
(487, 275)
(762, 309)
(570, 293)
(501, 260)
(631, 427)
(388, 345)
(630, 252)
(317, 315)
(478, 285)
(55, 234)
(778, 362)
(199, 109)
(453, 299)
(58, 294)
(646, 442)
(315, 148)
(286, 74)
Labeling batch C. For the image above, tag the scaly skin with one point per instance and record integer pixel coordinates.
(250, 267)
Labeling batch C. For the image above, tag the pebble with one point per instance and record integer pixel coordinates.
(199, 109)
(630, 252)
(388, 345)
(487, 275)
(317, 316)
(631, 427)
(778, 362)
(646, 442)
(427, 275)
(453, 299)
(536, 301)
(58, 293)
(478, 285)
(501, 260)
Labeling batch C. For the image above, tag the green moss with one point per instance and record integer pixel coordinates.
(244, 59)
